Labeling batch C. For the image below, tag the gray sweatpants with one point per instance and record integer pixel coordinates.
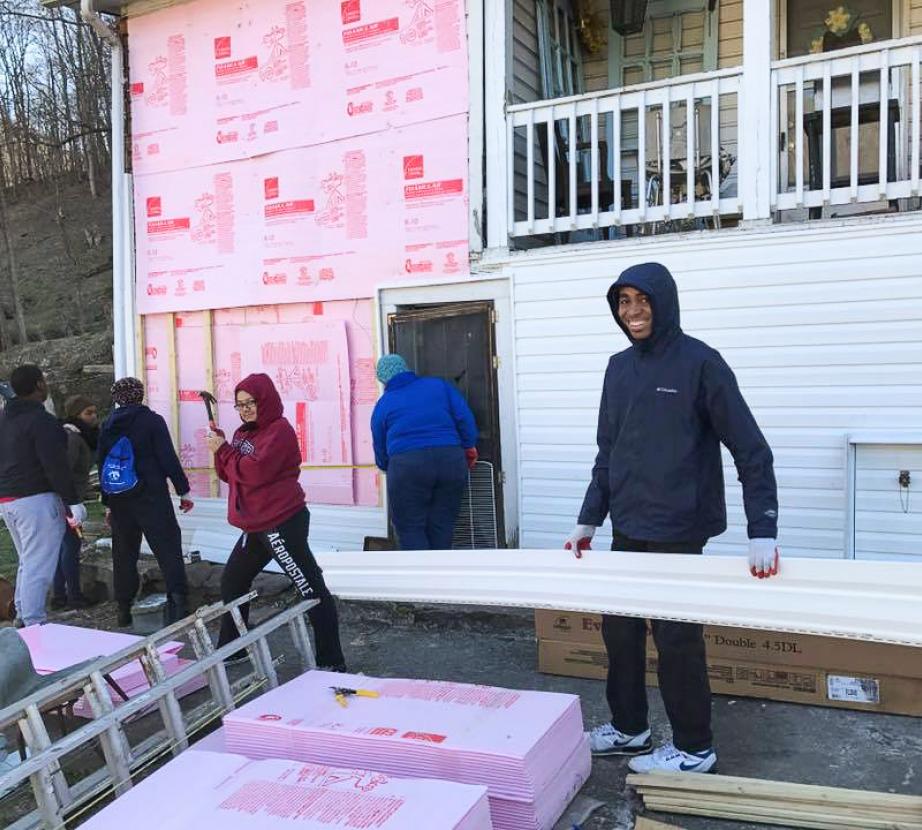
(37, 525)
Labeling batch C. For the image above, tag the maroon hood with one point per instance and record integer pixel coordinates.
(269, 406)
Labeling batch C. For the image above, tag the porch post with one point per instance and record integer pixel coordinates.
(756, 142)
(497, 55)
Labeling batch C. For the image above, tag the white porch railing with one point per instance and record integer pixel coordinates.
(828, 106)
(611, 158)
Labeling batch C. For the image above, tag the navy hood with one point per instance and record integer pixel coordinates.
(122, 417)
(657, 283)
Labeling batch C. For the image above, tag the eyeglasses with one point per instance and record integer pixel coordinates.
(245, 405)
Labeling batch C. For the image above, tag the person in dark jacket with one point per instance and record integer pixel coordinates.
(668, 402)
(81, 426)
(149, 510)
(261, 467)
(37, 497)
(425, 439)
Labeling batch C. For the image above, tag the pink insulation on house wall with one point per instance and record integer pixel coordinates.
(320, 357)
(289, 157)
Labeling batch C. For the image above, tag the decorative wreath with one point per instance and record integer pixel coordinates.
(591, 27)
(842, 28)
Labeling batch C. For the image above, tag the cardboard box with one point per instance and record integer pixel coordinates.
(795, 684)
(756, 646)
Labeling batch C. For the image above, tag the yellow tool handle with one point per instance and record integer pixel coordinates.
(366, 693)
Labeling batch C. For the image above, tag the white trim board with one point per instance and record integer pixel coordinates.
(873, 601)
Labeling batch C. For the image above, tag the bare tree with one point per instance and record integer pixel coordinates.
(54, 95)
(12, 269)
(54, 132)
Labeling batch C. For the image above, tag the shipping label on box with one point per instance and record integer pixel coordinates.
(853, 689)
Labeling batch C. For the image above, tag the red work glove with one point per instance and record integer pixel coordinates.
(579, 540)
(471, 455)
(185, 504)
(764, 558)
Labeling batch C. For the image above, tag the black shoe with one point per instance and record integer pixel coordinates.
(124, 616)
(338, 667)
(58, 603)
(177, 607)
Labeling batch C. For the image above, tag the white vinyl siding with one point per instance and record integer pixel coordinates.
(888, 518)
(823, 328)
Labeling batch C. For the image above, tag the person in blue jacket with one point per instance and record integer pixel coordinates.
(668, 402)
(425, 440)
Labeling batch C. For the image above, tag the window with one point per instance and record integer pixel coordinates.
(678, 38)
(559, 49)
(805, 23)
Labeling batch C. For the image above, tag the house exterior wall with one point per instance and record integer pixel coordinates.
(824, 334)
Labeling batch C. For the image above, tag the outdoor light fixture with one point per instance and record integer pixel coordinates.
(627, 16)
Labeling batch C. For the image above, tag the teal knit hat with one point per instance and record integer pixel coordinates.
(390, 366)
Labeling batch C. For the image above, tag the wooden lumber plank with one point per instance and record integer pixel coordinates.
(865, 819)
(786, 818)
(776, 790)
(644, 823)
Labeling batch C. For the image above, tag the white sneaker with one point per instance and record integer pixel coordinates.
(667, 758)
(605, 739)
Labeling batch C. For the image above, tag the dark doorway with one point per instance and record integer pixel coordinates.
(457, 342)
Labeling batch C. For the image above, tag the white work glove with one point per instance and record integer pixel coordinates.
(764, 555)
(579, 540)
(77, 515)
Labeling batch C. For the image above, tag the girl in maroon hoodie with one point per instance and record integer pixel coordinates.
(261, 467)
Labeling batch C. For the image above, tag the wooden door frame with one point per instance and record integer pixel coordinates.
(389, 298)
(486, 308)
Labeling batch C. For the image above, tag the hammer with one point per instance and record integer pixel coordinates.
(209, 400)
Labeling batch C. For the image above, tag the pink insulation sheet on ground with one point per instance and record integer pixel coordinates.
(528, 747)
(329, 402)
(54, 647)
(221, 80)
(234, 792)
(541, 814)
(314, 223)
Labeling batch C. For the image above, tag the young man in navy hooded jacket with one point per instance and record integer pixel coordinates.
(668, 402)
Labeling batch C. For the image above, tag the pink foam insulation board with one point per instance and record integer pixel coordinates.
(311, 223)
(321, 358)
(233, 792)
(157, 352)
(196, 235)
(527, 747)
(249, 205)
(54, 647)
(222, 81)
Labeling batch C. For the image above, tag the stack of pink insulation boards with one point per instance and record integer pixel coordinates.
(199, 790)
(54, 647)
(526, 747)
